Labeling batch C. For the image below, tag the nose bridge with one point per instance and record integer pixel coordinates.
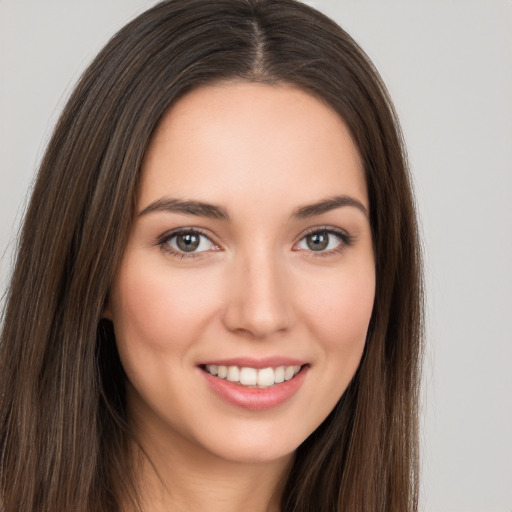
(258, 298)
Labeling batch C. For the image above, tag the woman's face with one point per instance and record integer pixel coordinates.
(251, 258)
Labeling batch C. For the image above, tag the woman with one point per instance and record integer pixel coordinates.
(217, 296)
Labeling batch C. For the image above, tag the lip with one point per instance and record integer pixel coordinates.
(258, 363)
(255, 399)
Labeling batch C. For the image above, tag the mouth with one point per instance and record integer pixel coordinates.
(255, 385)
(258, 378)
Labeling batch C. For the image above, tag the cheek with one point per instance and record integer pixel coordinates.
(341, 308)
(150, 307)
(338, 311)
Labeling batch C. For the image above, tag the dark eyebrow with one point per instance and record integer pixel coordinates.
(199, 208)
(166, 204)
(325, 205)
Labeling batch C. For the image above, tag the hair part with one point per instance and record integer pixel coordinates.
(64, 431)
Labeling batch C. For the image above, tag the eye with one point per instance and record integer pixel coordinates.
(186, 243)
(325, 241)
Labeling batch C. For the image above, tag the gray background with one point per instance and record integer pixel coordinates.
(448, 65)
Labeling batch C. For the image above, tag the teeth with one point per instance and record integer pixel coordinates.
(233, 374)
(266, 377)
(248, 376)
(252, 377)
(289, 372)
(279, 375)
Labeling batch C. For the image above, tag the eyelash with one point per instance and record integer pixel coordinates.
(164, 240)
(343, 237)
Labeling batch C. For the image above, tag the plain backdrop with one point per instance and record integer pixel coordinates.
(448, 66)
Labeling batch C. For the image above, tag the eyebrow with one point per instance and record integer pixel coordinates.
(212, 211)
(328, 204)
(199, 208)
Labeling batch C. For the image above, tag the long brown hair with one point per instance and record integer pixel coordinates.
(64, 431)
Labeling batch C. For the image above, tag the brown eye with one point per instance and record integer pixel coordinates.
(188, 242)
(317, 241)
(325, 241)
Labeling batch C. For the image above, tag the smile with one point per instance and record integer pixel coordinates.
(260, 378)
(255, 385)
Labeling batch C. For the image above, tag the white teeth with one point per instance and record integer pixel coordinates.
(289, 372)
(265, 377)
(279, 375)
(233, 374)
(248, 376)
(212, 368)
(252, 377)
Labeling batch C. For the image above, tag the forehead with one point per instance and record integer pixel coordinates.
(241, 140)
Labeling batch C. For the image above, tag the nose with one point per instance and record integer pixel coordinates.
(258, 297)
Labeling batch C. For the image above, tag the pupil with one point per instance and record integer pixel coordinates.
(188, 242)
(318, 241)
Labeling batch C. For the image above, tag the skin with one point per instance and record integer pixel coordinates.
(255, 288)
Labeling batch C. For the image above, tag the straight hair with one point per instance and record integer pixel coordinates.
(64, 430)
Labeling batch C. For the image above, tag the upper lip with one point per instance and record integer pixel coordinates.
(258, 363)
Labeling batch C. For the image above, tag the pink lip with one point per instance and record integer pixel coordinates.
(265, 362)
(255, 399)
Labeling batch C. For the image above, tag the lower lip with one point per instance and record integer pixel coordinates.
(255, 399)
